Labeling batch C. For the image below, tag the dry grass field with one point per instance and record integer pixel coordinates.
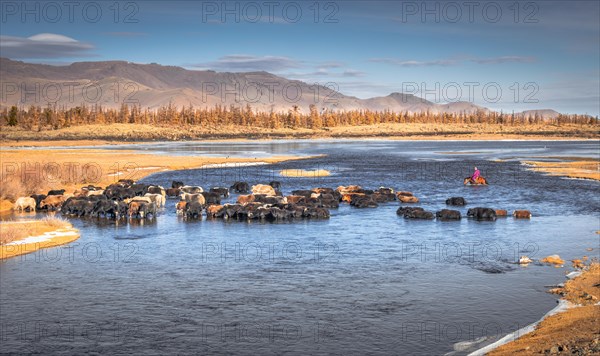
(17, 230)
(138, 132)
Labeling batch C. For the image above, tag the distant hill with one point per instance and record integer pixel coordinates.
(543, 113)
(110, 83)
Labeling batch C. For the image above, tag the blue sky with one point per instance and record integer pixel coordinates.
(503, 55)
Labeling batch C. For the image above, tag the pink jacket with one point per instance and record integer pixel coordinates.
(476, 174)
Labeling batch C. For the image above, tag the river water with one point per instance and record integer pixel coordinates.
(363, 282)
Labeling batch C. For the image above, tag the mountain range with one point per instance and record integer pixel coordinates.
(112, 83)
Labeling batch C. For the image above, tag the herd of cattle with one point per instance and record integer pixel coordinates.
(259, 202)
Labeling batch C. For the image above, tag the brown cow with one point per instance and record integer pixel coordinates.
(347, 197)
(213, 210)
(295, 199)
(245, 199)
(501, 213)
(522, 214)
(134, 208)
(408, 198)
(180, 207)
(193, 198)
(173, 192)
(404, 194)
(52, 202)
(263, 189)
(349, 189)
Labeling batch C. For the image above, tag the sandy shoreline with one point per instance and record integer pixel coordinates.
(572, 167)
(571, 327)
(33, 235)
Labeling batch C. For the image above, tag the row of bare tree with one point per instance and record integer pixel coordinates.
(52, 117)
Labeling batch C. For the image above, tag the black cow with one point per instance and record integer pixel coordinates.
(403, 210)
(72, 206)
(363, 201)
(147, 209)
(482, 214)
(106, 208)
(419, 214)
(221, 191)
(139, 189)
(230, 211)
(173, 192)
(115, 192)
(38, 199)
(316, 213)
(456, 201)
(303, 193)
(193, 210)
(447, 214)
(211, 198)
(240, 187)
(380, 197)
(56, 192)
(177, 184)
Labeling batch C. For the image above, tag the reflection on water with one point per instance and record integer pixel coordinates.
(363, 282)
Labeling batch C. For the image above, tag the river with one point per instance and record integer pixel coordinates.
(366, 281)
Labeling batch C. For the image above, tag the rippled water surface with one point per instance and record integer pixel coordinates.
(362, 282)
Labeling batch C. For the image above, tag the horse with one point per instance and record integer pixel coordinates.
(479, 181)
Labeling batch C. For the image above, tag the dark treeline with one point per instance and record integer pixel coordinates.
(52, 117)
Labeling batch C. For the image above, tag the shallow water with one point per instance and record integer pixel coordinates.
(362, 282)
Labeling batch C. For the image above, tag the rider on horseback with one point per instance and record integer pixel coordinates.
(475, 175)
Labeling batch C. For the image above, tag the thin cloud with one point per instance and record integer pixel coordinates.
(330, 65)
(453, 62)
(126, 34)
(503, 59)
(241, 62)
(43, 45)
(351, 73)
(323, 73)
(413, 63)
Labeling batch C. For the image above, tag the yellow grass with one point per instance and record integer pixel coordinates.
(17, 230)
(52, 232)
(575, 329)
(5, 205)
(304, 173)
(92, 134)
(587, 169)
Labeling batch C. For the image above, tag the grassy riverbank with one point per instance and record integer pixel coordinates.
(411, 131)
(21, 237)
(573, 331)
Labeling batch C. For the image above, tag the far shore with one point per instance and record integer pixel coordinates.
(92, 135)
